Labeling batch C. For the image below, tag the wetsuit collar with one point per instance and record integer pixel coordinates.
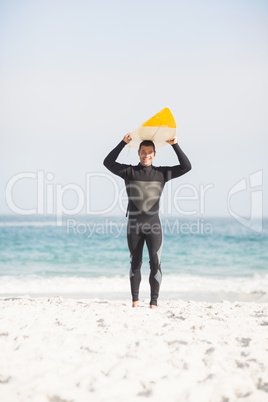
(144, 167)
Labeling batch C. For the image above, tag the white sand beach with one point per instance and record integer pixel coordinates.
(62, 350)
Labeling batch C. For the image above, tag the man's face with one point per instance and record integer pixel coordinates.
(146, 155)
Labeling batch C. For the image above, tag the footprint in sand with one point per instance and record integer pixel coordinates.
(4, 379)
(244, 341)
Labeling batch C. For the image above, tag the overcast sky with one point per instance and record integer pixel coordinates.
(77, 75)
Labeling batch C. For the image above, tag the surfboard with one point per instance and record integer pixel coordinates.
(159, 129)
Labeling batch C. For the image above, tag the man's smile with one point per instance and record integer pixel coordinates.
(146, 154)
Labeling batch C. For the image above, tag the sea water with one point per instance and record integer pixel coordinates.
(202, 258)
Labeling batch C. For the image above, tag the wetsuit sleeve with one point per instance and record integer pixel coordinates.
(110, 161)
(175, 171)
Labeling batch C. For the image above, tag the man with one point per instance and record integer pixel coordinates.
(144, 185)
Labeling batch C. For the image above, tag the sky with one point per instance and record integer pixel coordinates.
(78, 75)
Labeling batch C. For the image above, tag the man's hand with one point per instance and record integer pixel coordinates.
(127, 138)
(172, 142)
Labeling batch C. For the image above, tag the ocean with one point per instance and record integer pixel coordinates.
(209, 259)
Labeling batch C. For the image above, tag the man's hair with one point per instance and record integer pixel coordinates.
(147, 143)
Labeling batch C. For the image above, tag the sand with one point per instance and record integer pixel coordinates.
(61, 349)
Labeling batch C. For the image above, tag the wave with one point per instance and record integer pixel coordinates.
(253, 288)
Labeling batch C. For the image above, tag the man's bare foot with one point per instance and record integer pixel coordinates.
(153, 306)
(135, 303)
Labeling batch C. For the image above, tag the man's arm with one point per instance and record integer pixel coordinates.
(110, 161)
(184, 166)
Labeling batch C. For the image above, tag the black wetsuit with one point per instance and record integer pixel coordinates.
(144, 185)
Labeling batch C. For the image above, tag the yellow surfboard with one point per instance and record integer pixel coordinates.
(159, 129)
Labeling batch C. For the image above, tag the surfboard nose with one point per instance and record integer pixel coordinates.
(159, 129)
(162, 118)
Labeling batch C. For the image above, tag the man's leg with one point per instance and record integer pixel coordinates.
(154, 241)
(135, 245)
